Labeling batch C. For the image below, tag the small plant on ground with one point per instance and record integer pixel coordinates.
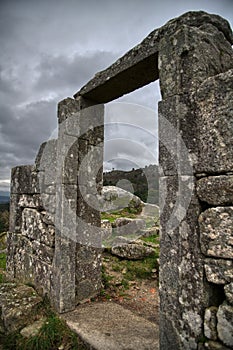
(2, 266)
(53, 335)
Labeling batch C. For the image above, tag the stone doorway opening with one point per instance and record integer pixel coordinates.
(130, 257)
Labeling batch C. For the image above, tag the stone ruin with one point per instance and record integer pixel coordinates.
(55, 236)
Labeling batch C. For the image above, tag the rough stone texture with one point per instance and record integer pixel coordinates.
(110, 326)
(215, 116)
(210, 323)
(183, 296)
(34, 228)
(216, 190)
(132, 251)
(195, 118)
(186, 45)
(225, 325)
(18, 306)
(33, 329)
(216, 232)
(131, 71)
(115, 198)
(88, 271)
(213, 345)
(192, 55)
(229, 292)
(24, 180)
(219, 271)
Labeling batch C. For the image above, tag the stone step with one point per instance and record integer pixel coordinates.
(109, 326)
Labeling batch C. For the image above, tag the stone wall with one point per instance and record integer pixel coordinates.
(196, 142)
(55, 238)
(53, 241)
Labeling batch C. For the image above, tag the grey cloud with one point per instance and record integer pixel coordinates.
(59, 73)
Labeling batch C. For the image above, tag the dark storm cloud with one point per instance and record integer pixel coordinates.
(56, 73)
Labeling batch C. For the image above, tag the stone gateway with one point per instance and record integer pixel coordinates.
(55, 233)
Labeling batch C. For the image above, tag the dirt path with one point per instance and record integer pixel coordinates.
(140, 295)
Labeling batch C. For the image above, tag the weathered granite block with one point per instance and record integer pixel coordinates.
(214, 100)
(12, 239)
(66, 210)
(216, 232)
(183, 293)
(34, 228)
(30, 201)
(191, 55)
(88, 271)
(15, 221)
(18, 306)
(36, 272)
(67, 161)
(225, 324)
(229, 292)
(49, 202)
(42, 252)
(219, 271)
(178, 148)
(63, 278)
(131, 71)
(216, 190)
(24, 180)
(46, 159)
(67, 108)
(210, 323)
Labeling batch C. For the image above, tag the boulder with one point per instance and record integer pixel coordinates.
(33, 329)
(18, 305)
(132, 251)
(224, 324)
(115, 198)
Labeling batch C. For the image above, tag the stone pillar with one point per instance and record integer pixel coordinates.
(76, 265)
(187, 57)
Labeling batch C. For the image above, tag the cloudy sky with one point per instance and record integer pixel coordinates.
(51, 48)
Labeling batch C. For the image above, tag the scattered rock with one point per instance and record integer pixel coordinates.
(120, 240)
(152, 231)
(18, 306)
(150, 210)
(132, 251)
(229, 292)
(33, 329)
(127, 226)
(210, 323)
(115, 198)
(225, 325)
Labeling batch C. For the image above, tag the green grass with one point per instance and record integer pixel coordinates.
(151, 239)
(3, 261)
(2, 266)
(133, 269)
(51, 336)
(112, 216)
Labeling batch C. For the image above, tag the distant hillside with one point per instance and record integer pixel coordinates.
(4, 199)
(145, 182)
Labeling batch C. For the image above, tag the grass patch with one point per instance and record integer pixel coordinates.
(112, 216)
(152, 239)
(130, 270)
(2, 266)
(3, 261)
(54, 334)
